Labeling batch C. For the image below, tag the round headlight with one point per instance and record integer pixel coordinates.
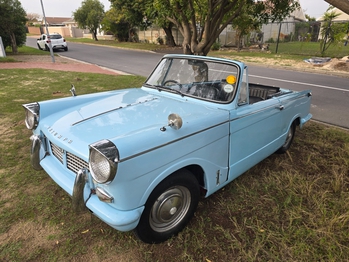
(31, 115)
(30, 119)
(103, 160)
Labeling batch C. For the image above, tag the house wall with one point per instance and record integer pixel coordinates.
(228, 37)
(63, 30)
(76, 32)
(34, 30)
(153, 33)
(271, 31)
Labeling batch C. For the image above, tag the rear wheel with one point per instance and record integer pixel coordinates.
(169, 208)
(66, 48)
(289, 139)
(47, 48)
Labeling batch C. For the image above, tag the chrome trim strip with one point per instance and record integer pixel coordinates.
(171, 142)
(276, 106)
(203, 130)
(111, 110)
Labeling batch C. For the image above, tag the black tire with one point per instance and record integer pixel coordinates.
(169, 207)
(39, 47)
(289, 139)
(47, 48)
(65, 48)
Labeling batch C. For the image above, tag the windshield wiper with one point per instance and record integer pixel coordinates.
(160, 88)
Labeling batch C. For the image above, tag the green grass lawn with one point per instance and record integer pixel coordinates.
(291, 207)
(310, 49)
(289, 50)
(114, 43)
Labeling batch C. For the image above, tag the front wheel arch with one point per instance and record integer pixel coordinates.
(169, 207)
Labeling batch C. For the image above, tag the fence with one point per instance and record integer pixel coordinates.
(285, 37)
(157, 35)
(307, 37)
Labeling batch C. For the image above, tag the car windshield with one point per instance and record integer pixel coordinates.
(204, 79)
(55, 36)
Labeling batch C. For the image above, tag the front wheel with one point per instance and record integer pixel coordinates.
(169, 208)
(289, 139)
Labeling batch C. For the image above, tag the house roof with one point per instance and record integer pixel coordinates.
(70, 21)
(56, 20)
(298, 13)
(341, 17)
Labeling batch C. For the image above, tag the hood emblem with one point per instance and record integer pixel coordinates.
(58, 136)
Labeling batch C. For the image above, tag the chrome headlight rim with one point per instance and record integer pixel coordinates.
(32, 115)
(108, 154)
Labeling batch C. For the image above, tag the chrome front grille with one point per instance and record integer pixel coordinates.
(75, 163)
(57, 152)
(71, 161)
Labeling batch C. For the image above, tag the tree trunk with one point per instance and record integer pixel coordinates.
(340, 4)
(13, 43)
(187, 35)
(94, 35)
(169, 36)
(239, 41)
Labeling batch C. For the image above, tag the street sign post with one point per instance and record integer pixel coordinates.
(2, 49)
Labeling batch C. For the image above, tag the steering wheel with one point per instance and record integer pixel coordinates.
(172, 81)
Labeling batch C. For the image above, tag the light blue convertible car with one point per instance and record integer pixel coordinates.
(140, 158)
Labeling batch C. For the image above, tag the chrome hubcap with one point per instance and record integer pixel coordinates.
(170, 208)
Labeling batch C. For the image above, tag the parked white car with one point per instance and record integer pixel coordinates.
(57, 42)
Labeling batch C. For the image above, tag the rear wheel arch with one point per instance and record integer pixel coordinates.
(297, 121)
(289, 137)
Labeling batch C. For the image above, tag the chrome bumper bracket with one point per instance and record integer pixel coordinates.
(78, 202)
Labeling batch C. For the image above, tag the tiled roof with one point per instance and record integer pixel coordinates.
(56, 20)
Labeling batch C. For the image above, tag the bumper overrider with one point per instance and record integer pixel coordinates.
(84, 187)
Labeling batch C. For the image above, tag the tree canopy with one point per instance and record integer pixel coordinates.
(12, 24)
(32, 18)
(90, 16)
(331, 33)
(127, 15)
(201, 21)
(141, 13)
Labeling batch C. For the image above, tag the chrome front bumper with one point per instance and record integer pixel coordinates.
(35, 152)
(85, 196)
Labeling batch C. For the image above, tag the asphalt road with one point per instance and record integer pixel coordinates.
(330, 101)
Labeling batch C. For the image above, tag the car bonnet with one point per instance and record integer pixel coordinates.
(132, 119)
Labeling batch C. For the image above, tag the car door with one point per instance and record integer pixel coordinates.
(255, 131)
(42, 41)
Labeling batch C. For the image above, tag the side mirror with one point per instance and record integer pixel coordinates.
(174, 121)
